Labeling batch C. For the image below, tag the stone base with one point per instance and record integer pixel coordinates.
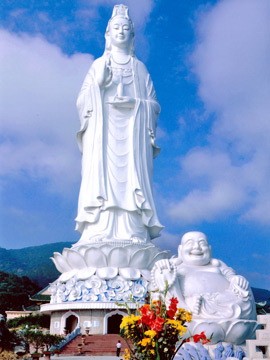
(234, 331)
(104, 272)
(96, 278)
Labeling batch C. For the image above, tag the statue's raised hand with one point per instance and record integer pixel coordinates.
(104, 75)
(163, 274)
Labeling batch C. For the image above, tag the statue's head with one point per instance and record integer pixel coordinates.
(194, 249)
(120, 30)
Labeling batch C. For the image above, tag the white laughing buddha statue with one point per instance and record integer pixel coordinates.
(221, 302)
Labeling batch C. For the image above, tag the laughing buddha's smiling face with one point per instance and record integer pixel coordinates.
(195, 249)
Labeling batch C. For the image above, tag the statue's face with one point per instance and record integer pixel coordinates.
(120, 32)
(195, 249)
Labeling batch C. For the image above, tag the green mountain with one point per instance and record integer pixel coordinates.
(261, 295)
(33, 262)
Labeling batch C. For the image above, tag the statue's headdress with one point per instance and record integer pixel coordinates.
(120, 10)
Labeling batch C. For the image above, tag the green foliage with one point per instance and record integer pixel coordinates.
(50, 340)
(33, 262)
(15, 291)
(38, 339)
(38, 320)
(35, 338)
(7, 339)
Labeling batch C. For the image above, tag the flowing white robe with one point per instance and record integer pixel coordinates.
(116, 200)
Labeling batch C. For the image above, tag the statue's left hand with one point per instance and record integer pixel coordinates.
(123, 102)
(240, 285)
(240, 281)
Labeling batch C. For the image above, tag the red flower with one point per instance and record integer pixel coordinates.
(150, 318)
(157, 324)
(172, 308)
(200, 338)
(147, 315)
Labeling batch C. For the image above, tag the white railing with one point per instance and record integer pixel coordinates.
(67, 339)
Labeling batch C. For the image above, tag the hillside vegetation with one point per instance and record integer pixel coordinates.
(15, 291)
(33, 262)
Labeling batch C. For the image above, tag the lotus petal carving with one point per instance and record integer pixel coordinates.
(60, 262)
(118, 257)
(142, 258)
(67, 275)
(240, 330)
(94, 257)
(130, 273)
(76, 259)
(107, 260)
(107, 272)
(85, 273)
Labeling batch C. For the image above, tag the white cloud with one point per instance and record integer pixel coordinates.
(168, 241)
(139, 10)
(39, 86)
(216, 188)
(231, 61)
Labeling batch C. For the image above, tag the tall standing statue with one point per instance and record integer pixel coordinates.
(118, 111)
(116, 216)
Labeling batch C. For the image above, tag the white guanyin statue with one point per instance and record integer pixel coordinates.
(116, 216)
(118, 111)
(221, 302)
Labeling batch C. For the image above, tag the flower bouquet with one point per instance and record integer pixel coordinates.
(156, 331)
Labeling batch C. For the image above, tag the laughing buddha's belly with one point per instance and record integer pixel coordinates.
(202, 282)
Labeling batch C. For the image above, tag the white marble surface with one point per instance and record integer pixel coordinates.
(118, 110)
(221, 301)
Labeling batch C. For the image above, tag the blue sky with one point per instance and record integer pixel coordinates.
(209, 61)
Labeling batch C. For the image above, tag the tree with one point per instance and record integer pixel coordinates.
(38, 339)
(37, 320)
(50, 340)
(15, 291)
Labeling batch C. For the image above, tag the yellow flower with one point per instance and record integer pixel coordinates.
(145, 341)
(127, 355)
(183, 315)
(129, 321)
(177, 325)
(188, 316)
(150, 333)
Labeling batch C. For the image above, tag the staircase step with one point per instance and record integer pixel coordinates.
(95, 345)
